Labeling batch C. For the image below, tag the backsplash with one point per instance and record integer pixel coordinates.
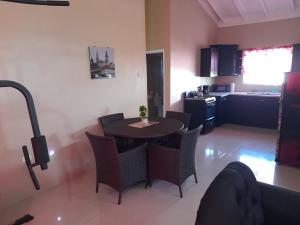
(241, 87)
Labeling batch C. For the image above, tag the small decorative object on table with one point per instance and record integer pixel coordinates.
(143, 113)
(144, 120)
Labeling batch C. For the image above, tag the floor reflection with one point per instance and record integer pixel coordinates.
(262, 164)
(214, 154)
(75, 202)
(209, 152)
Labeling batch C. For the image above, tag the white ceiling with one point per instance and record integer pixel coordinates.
(236, 12)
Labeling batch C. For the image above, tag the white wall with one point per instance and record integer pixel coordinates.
(46, 49)
(158, 37)
(191, 30)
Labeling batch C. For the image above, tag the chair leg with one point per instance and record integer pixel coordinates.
(150, 183)
(146, 184)
(180, 191)
(97, 187)
(120, 198)
(195, 175)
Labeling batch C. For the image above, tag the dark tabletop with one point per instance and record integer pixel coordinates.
(163, 128)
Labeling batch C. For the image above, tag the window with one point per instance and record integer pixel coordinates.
(266, 66)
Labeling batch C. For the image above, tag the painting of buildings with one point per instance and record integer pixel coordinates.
(102, 62)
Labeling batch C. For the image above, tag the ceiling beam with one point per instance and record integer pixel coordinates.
(264, 6)
(211, 12)
(294, 4)
(240, 8)
(286, 9)
(215, 7)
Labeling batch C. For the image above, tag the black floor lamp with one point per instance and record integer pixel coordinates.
(40, 2)
(39, 144)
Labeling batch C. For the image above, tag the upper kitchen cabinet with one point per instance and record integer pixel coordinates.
(227, 62)
(239, 63)
(209, 62)
(221, 60)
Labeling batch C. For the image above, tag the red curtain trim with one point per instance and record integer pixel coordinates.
(258, 49)
(255, 49)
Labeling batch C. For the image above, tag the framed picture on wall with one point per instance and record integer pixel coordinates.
(102, 62)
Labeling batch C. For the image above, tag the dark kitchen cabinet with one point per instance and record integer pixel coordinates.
(227, 61)
(268, 112)
(239, 62)
(237, 108)
(209, 62)
(220, 60)
(258, 111)
(221, 110)
(296, 58)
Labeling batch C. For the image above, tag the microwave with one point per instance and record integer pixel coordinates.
(221, 88)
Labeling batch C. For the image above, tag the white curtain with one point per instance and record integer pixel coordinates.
(266, 66)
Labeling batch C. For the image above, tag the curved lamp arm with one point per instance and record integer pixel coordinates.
(39, 143)
(40, 2)
(29, 102)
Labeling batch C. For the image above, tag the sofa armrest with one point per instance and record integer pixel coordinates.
(280, 206)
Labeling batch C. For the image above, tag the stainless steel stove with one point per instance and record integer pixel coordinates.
(203, 110)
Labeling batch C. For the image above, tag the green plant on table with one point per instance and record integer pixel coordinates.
(143, 111)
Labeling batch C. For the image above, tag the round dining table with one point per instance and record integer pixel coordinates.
(163, 127)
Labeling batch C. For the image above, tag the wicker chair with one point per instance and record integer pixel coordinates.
(108, 119)
(174, 164)
(118, 170)
(183, 117)
(173, 138)
(122, 143)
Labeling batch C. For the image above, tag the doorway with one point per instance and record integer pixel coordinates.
(155, 83)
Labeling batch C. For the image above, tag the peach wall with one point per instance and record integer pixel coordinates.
(259, 35)
(46, 49)
(191, 30)
(158, 37)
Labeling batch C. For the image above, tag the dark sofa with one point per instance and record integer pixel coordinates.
(236, 198)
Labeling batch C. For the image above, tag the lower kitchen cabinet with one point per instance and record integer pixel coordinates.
(221, 110)
(247, 110)
(258, 111)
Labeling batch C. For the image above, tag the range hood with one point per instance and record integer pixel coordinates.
(40, 2)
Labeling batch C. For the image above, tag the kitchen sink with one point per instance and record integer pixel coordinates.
(262, 93)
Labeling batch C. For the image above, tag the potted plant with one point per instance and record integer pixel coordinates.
(143, 113)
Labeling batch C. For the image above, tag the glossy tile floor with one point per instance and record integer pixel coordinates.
(76, 203)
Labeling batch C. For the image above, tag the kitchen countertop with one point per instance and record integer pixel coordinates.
(260, 94)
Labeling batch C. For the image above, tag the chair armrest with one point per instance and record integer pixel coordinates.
(181, 132)
(280, 206)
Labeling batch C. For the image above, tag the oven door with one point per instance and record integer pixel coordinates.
(211, 110)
